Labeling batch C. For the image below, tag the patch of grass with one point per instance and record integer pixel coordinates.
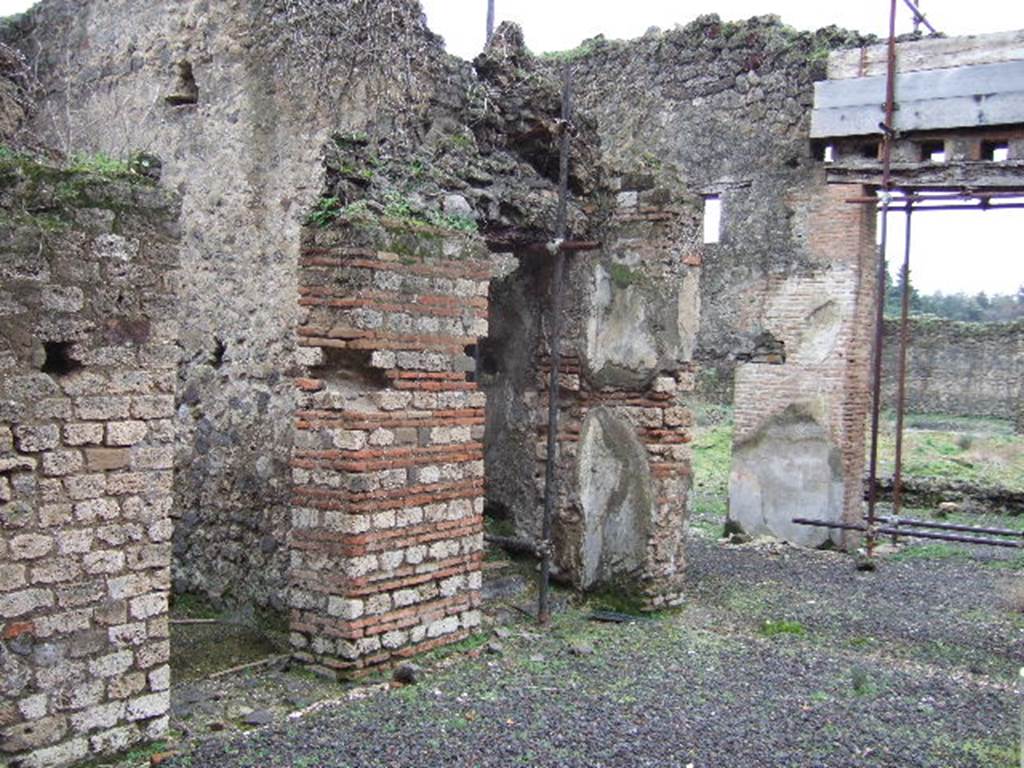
(710, 529)
(618, 600)
(988, 753)
(937, 551)
(984, 452)
(133, 756)
(863, 683)
(192, 606)
(772, 628)
(453, 221)
(100, 164)
(861, 642)
(581, 50)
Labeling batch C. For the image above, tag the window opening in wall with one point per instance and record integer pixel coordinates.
(712, 219)
(870, 151)
(933, 151)
(58, 360)
(995, 151)
(824, 153)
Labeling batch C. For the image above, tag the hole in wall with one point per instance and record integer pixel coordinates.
(473, 353)
(185, 89)
(870, 151)
(824, 153)
(59, 360)
(485, 359)
(350, 366)
(995, 151)
(217, 356)
(933, 151)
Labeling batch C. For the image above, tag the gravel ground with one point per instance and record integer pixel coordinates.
(782, 658)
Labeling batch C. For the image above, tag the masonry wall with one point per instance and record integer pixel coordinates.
(966, 369)
(242, 144)
(88, 356)
(623, 464)
(719, 108)
(387, 525)
(800, 408)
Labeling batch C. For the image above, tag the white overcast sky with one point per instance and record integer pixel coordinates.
(952, 252)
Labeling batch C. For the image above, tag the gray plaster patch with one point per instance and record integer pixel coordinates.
(821, 333)
(616, 496)
(788, 469)
(622, 339)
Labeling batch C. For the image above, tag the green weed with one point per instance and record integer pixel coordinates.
(772, 628)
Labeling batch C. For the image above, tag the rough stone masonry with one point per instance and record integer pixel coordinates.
(315, 382)
(88, 367)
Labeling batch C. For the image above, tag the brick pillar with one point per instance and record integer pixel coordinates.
(387, 513)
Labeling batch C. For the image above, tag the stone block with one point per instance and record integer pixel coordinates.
(97, 717)
(104, 408)
(104, 561)
(128, 684)
(160, 678)
(126, 433)
(115, 740)
(146, 707)
(150, 407)
(30, 546)
(112, 664)
(83, 434)
(345, 608)
(36, 439)
(60, 463)
(68, 753)
(104, 459)
(147, 606)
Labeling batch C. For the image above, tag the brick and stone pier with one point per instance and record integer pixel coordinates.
(387, 525)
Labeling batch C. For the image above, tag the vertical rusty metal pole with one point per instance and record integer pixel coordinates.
(555, 344)
(876, 388)
(901, 385)
(490, 22)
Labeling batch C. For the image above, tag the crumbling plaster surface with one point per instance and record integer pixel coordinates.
(617, 493)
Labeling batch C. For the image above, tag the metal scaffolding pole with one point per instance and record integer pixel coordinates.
(876, 383)
(901, 384)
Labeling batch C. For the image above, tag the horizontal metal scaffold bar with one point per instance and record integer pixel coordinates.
(900, 521)
(899, 197)
(890, 531)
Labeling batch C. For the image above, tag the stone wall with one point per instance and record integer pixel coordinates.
(241, 131)
(387, 534)
(964, 369)
(719, 108)
(87, 385)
